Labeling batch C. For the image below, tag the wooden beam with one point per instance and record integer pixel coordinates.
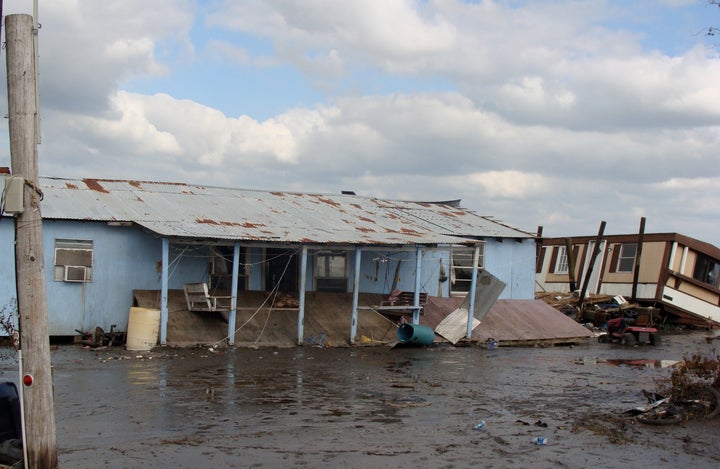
(638, 254)
(570, 253)
(593, 256)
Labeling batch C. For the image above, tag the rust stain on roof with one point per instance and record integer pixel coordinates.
(364, 229)
(94, 185)
(327, 201)
(369, 220)
(134, 184)
(247, 224)
(206, 221)
(71, 186)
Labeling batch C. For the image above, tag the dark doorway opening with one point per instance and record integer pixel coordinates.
(282, 270)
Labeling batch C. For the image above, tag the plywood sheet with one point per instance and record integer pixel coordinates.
(454, 326)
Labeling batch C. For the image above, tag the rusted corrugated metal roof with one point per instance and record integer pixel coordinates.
(192, 211)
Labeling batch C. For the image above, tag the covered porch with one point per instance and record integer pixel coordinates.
(312, 298)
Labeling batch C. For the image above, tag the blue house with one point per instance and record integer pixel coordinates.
(106, 239)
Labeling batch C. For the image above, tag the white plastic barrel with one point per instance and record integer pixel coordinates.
(143, 328)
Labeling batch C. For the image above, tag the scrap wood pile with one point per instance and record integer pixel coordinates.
(559, 299)
(593, 305)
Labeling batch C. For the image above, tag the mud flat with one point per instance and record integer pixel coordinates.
(370, 407)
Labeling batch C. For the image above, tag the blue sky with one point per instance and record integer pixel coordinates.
(553, 113)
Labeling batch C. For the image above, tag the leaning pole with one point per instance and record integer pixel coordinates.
(37, 389)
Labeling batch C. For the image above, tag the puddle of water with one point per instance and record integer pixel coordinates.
(633, 363)
(643, 363)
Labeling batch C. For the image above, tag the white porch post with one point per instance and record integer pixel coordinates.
(356, 296)
(416, 297)
(301, 298)
(232, 314)
(473, 283)
(164, 291)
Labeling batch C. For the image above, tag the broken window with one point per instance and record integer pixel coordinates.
(707, 270)
(331, 271)
(73, 260)
(462, 267)
(626, 258)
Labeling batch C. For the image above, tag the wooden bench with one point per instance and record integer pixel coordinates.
(199, 299)
(406, 298)
(399, 305)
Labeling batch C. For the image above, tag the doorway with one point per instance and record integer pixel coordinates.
(281, 270)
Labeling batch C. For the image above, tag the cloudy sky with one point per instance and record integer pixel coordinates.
(554, 113)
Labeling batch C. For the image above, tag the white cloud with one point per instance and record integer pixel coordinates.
(539, 113)
(509, 184)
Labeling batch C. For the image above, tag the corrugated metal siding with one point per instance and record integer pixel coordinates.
(181, 210)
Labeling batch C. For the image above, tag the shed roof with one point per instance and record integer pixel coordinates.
(180, 210)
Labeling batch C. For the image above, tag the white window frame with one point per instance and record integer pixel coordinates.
(73, 260)
(625, 258)
(561, 263)
(461, 260)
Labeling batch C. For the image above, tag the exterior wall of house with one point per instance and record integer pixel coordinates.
(127, 258)
(611, 281)
(124, 259)
(378, 268)
(620, 283)
(512, 262)
(668, 258)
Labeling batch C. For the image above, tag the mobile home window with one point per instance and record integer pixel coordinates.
(73, 260)
(561, 264)
(331, 272)
(707, 270)
(626, 259)
(462, 266)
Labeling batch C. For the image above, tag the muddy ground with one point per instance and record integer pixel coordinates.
(370, 407)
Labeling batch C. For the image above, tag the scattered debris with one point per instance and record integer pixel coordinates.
(692, 394)
(99, 338)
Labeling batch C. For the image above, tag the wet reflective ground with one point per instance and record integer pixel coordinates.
(369, 407)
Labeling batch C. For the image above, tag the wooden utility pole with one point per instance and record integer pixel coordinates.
(638, 255)
(571, 264)
(39, 413)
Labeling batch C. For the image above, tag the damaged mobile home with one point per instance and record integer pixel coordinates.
(219, 258)
(676, 274)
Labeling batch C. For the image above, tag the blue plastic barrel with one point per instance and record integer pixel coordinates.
(415, 334)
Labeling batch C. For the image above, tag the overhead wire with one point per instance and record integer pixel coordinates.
(271, 294)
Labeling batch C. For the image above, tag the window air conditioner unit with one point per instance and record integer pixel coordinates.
(75, 273)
